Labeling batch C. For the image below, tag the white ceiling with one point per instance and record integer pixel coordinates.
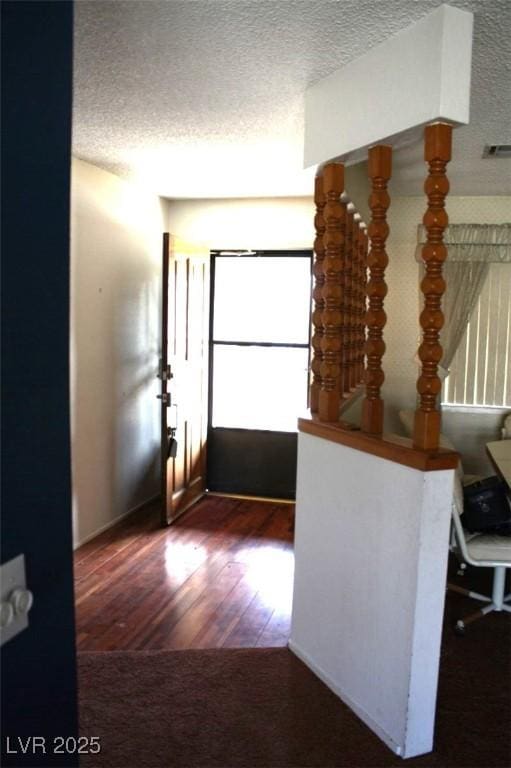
(204, 98)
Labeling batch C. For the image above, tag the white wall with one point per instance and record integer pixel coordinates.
(258, 223)
(370, 567)
(402, 303)
(116, 234)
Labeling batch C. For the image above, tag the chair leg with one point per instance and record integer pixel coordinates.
(468, 593)
(497, 602)
(462, 623)
(499, 577)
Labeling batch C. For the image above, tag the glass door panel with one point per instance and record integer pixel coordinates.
(259, 387)
(262, 299)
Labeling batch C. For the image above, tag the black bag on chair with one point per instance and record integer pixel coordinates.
(486, 507)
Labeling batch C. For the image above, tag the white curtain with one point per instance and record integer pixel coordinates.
(471, 250)
(464, 282)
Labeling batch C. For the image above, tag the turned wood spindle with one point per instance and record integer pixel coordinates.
(347, 305)
(317, 294)
(358, 299)
(363, 242)
(355, 304)
(380, 166)
(358, 303)
(359, 307)
(354, 307)
(437, 153)
(331, 342)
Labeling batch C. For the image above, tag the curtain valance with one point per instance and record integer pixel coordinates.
(473, 242)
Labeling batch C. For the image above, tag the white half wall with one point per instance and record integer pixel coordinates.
(116, 232)
(419, 75)
(371, 545)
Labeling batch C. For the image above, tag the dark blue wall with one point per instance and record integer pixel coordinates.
(38, 666)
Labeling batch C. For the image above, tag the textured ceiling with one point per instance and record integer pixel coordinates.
(204, 98)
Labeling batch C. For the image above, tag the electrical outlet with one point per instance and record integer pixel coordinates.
(16, 599)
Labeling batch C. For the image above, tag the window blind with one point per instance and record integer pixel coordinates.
(480, 370)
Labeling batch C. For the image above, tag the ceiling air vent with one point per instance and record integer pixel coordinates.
(497, 150)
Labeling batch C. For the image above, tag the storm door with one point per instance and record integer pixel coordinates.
(259, 363)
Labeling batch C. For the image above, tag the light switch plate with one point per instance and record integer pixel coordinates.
(12, 576)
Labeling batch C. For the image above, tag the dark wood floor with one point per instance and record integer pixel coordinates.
(221, 576)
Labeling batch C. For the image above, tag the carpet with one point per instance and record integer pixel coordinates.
(262, 708)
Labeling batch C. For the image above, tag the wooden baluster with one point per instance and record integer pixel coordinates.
(359, 341)
(355, 303)
(331, 343)
(360, 301)
(317, 294)
(347, 305)
(356, 297)
(364, 245)
(380, 165)
(437, 153)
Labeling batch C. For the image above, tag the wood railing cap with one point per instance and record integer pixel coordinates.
(394, 448)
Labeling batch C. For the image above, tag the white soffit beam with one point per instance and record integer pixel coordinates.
(418, 76)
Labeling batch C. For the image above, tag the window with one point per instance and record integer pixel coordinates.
(480, 370)
(260, 340)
